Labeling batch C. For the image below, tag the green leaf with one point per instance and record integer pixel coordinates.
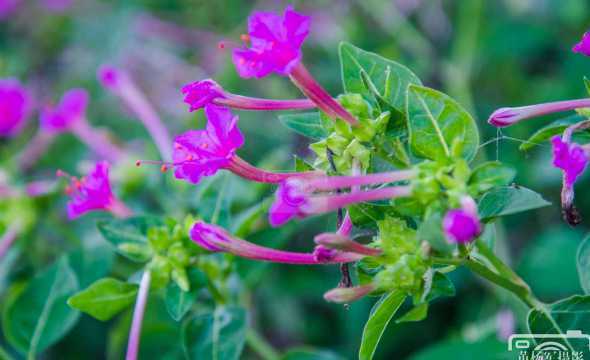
(123, 233)
(307, 124)
(555, 128)
(441, 286)
(91, 262)
(179, 302)
(491, 174)
(457, 350)
(583, 264)
(439, 126)
(380, 316)
(508, 200)
(218, 335)
(105, 298)
(310, 354)
(417, 313)
(389, 78)
(38, 316)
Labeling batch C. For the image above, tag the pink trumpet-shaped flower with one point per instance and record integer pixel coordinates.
(462, 226)
(216, 239)
(199, 153)
(71, 108)
(570, 158)
(275, 47)
(295, 199)
(200, 93)
(15, 106)
(348, 294)
(583, 47)
(344, 243)
(93, 192)
(275, 43)
(511, 115)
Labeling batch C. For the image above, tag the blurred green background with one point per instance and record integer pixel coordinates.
(486, 54)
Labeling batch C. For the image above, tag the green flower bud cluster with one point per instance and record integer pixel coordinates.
(402, 265)
(348, 143)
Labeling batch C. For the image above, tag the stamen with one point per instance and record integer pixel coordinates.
(245, 38)
(164, 168)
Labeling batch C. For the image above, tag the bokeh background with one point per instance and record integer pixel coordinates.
(486, 54)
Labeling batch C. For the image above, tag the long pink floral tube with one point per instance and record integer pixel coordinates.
(138, 313)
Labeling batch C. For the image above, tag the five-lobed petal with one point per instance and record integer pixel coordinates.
(570, 158)
(15, 105)
(92, 192)
(70, 109)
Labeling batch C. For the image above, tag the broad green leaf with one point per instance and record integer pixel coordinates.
(555, 128)
(417, 313)
(307, 124)
(218, 335)
(179, 302)
(390, 79)
(489, 175)
(457, 350)
(366, 214)
(380, 316)
(91, 262)
(439, 126)
(310, 354)
(302, 165)
(105, 298)
(126, 233)
(583, 263)
(508, 200)
(38, 316)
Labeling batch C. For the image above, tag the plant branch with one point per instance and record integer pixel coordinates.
(260, 346)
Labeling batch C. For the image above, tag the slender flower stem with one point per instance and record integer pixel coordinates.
(8, 238)
(313, 90)
(261, 346)
(250, 103)
(244, 169)
(140, 105)
(97, 141)
(346, 227)
(35, 149)
(338, 182)
(569, 132)
(326, 203)
(138, 313)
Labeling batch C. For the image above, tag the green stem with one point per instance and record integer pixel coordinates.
(4, 354)
(260, 346)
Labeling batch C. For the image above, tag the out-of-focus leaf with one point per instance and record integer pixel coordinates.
(218, 335)
(307, 124)
(491, 174)
(91, 263)
(38, 316)
(439, 127)
(458, 350)
(105, 298)
(583, 264)
(508, 200)
(127, 233)
(441, 286)
(380, 316)
(390, 78)
(554, 249)
(310, 354)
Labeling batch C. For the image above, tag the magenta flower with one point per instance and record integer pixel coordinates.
(570, 158)
(295, 198)
(462, 226)
(93, 192)
(199, 153)
(71, 109)
(509, 116)
(200, 93)
(15, 106)
(216, 239)
(275, 43)
(341, 242)
(583, 47)
(7, 7)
